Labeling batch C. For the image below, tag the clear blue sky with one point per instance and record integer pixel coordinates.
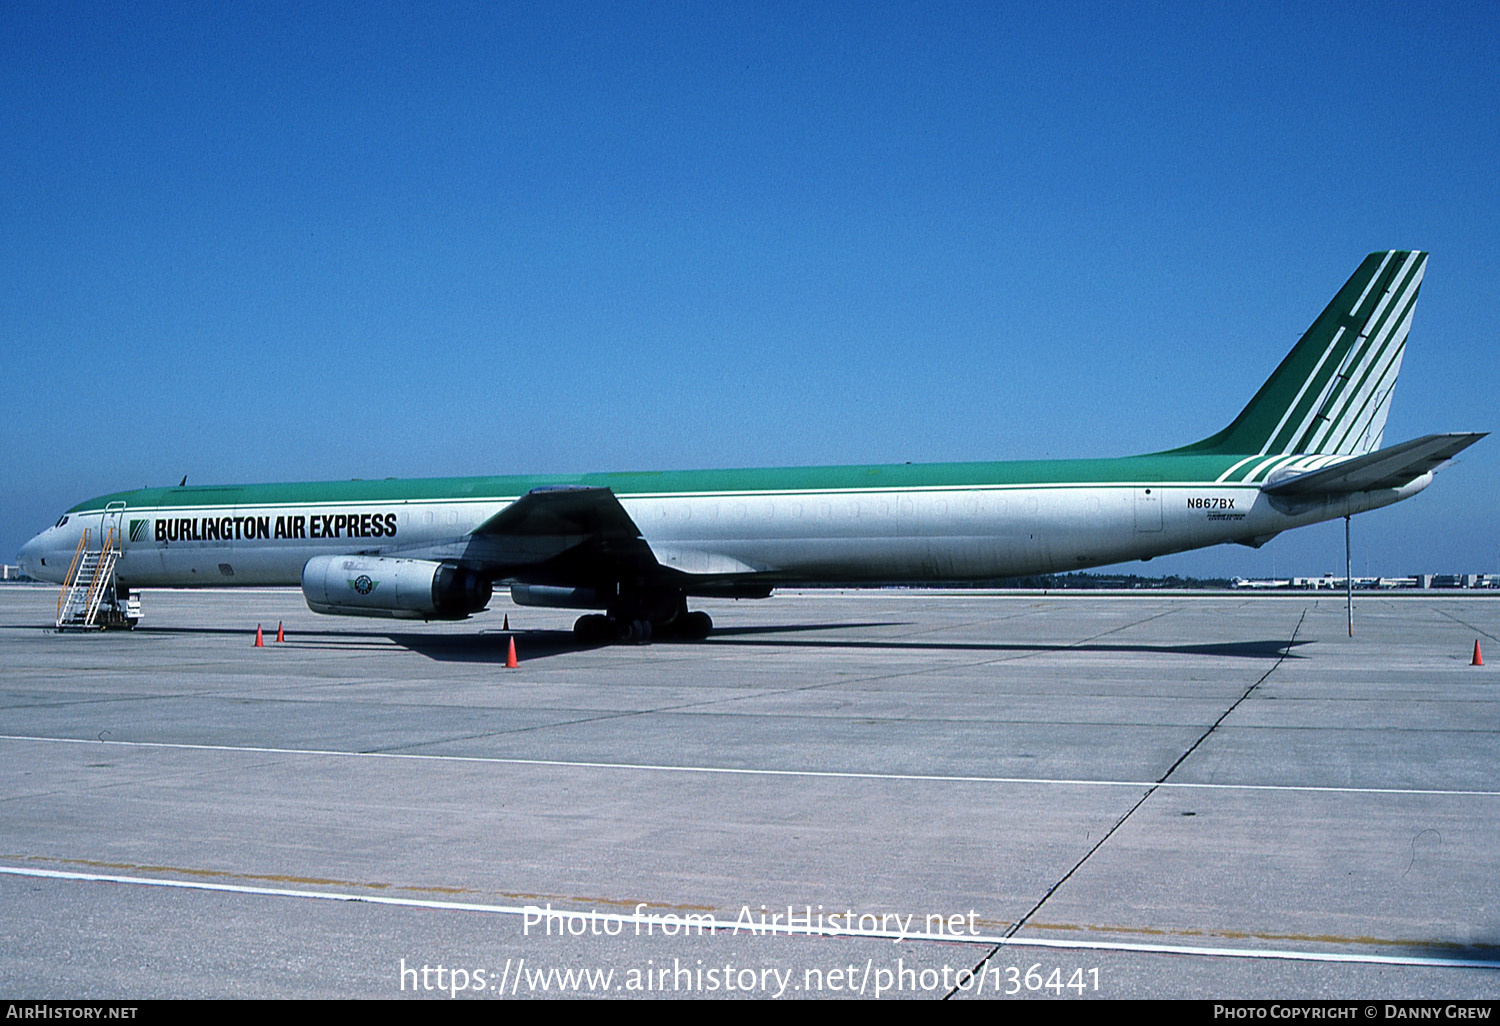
(296, 241)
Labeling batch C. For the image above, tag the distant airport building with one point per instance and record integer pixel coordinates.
(1329, 581)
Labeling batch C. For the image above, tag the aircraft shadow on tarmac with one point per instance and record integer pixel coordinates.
(491, 646)
(530, 645)
(1271, 649)
(1481, 952)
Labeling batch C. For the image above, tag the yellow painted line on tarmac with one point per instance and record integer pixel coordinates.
(734, 927)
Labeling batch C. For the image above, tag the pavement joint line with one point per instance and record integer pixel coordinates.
(1020, 923)
(1455, 619)
(936, 778)
(1237, 702)
(733, 927)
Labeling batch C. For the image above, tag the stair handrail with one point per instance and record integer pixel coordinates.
(69, 579)
(101, 574)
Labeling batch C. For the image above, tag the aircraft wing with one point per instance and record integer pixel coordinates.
(578, 536)
(572, 533)
(563, 511)
(1391, 467)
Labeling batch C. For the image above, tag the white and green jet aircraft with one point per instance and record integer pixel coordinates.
(637, 546)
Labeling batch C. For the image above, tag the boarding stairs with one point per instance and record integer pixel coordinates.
(88, 600)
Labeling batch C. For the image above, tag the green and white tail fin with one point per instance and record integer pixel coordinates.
(1333, 391)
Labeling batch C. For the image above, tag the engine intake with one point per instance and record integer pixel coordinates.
(406, 589)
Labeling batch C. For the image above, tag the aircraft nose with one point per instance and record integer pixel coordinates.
(34, 555)
(26, 559)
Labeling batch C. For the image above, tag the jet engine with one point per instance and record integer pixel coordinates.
(407, 589)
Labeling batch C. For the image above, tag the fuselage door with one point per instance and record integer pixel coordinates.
(110, 520)
(1148, 509)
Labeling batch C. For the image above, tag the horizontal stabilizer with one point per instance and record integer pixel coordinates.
(1394, 467)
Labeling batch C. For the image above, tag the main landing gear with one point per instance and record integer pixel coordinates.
(632, 624)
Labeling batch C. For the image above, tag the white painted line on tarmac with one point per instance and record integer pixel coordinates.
(742, 771)
(734, 928)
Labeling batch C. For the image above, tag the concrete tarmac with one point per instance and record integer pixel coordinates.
(976, 794)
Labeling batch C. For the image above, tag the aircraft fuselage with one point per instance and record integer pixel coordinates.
(906, 524)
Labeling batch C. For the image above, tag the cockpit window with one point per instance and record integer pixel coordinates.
(62, 521)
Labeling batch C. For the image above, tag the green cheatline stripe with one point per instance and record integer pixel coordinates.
(1272, 463)
(1201, 463)
(1263, 470)
(1237, 466)
(1127, 470)
(1371, 330)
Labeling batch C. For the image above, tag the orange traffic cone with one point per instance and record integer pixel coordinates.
(1478, 659)
(260, 642)
(280, 634)
(510, 656)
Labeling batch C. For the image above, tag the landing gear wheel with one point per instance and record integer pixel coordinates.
(694, 626)
(633, 632)
(592, 628)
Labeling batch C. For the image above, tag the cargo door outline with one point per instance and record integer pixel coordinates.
(1147, 509)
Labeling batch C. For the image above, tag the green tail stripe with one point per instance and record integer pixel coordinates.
(1376, 395)
(1301, 429)
(1393, 344)
(1341, 394)
(1348, 338)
